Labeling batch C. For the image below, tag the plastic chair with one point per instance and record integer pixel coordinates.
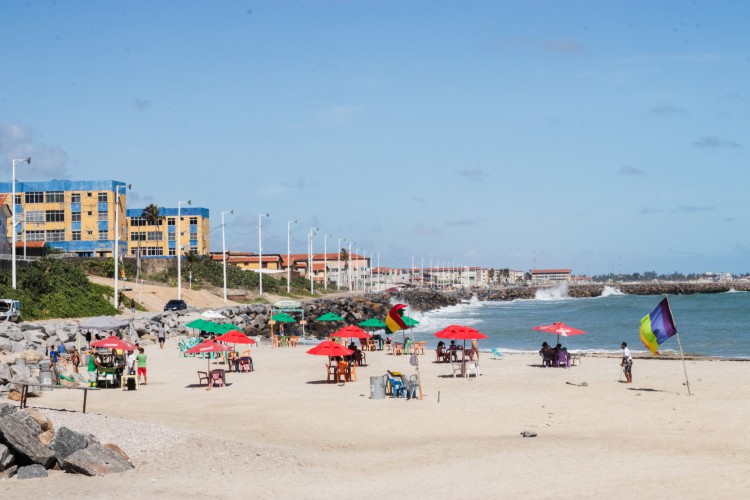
(471, 364)
(246, 364)
(216, 378)
(457, 365)
(563, 359)
(397, 386)
(398, 348)
(330, 372)
(496, 353)
(343, 373)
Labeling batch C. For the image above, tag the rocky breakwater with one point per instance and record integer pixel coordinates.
(427, 300)
(29, 446)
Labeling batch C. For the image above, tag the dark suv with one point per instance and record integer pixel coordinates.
(175, 305)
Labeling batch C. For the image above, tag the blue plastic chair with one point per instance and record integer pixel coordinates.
(397, 386)
(496, 354)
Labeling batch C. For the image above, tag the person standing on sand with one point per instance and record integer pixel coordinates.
(141, 362)
(160, 336)
(93, 364)
(132, 305)
(627, 363)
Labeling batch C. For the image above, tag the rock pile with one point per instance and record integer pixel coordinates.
(29, 446)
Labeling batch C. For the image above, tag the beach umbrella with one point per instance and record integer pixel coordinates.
(283, 318)
(372, 323)
(330, 348)
(459, 332)
(410, 322)
(207, 347)
(329, 316)
(113, 342)
(200, 324)
(234, 337)
(211, 314)
(559, 328)
(351, 332)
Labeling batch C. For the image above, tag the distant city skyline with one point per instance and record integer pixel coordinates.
(604, 137)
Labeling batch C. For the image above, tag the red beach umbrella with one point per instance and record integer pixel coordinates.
(351, 332)
(330, 348)
(559, 328)
(234, 337)
(207, 346)
(459, 332)
(114, 342)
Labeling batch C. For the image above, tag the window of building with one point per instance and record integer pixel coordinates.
(102, 197)
(75, 235)
(138, 236)
(54, 197)
(89, 233)
(103, 235)
(35, 216)
(171, 251)
(170, 237)
(89, 213)
(55, 235)
(152, 251)
(194, 220)
(170, 221)
(138, 221)
(55, 216)
(18, 199)
(154, 236)
(103, 216)
(35, 197)
(193, 235)
(75, 216)
(34, 235)
(194, 249)
(75, 198)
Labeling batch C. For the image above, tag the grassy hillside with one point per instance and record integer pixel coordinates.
(56, 289)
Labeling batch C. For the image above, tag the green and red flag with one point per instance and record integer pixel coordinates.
(394, 321)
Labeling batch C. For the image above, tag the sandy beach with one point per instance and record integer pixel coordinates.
(283, 432)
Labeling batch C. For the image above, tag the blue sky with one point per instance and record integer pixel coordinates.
(593, 135)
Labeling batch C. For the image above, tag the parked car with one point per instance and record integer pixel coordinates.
(10, 310)
(175, 305)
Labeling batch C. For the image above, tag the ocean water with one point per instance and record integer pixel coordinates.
(708, 324)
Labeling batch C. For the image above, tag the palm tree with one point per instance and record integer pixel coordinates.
(345, 257)
(152, 216)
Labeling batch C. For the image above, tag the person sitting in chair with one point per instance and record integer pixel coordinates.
(547, 353)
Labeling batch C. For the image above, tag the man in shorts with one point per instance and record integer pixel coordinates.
(140, 361)
(627, 363)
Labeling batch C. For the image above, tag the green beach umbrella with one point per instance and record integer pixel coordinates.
(409, 321)
(372, 323)
(283, 318)
(200, 324)
(329, 316)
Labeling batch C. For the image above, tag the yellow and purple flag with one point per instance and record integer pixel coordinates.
(394, 322)
(657, 326)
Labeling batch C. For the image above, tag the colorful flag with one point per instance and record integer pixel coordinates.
(394, 322)
(657, 326)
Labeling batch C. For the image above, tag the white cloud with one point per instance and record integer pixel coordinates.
(47, 162)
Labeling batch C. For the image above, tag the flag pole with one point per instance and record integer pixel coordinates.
(682, 355)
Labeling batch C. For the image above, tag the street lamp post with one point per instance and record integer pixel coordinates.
(289, 255)
(224, 251)
(117, 241)
(310, 255)
(178, 249)
(349, 277)
(338, 264)
(325, 259)
(260, 252)
(13, 218)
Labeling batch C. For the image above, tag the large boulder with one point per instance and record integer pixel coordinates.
(31, 472)
(67, 442)
(24, 443)
(40, 418)
(96, 460)
(21, 371)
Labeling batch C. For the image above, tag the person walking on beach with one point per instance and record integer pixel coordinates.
(141, 362)
(161, 336)
(132, 305)
(627, 363)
